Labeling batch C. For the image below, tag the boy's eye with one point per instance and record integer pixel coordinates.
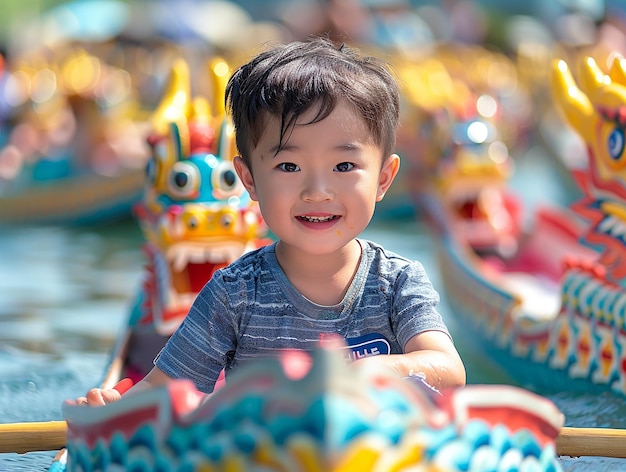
(288, 167)
(344, 166)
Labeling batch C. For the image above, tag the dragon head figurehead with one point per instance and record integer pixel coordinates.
(458, 151)
(595, 107)
(195, 214)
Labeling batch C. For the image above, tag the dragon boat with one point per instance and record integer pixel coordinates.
(85, 199)
(313, 412)
(550, 305)
(72, 152)
(195, 214)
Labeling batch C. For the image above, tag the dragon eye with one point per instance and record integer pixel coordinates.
(616, 143)
(184, 180)
(225, 181)
(229, 178)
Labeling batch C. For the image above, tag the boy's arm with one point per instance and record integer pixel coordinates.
(100, 397)
(431, 353)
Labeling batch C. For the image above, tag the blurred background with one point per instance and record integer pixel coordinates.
(79, 81)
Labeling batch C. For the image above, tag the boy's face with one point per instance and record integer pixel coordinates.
(319, 192)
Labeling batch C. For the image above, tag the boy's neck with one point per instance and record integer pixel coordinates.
(323, 279)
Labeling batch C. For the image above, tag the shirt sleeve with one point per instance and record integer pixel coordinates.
(199, 349)
(415, 304)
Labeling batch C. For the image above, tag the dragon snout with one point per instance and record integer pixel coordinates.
(205, 222)
(220, 221)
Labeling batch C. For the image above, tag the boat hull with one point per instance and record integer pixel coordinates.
(78, 200)
(574, 341)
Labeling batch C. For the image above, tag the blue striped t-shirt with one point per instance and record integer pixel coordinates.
(250, 309)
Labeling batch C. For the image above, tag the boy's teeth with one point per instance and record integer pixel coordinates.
(317, 219)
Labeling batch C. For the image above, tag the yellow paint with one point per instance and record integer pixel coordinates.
(266, 454)
(361, 459)
(306, 454)
(409, 456)
(615, 209)
(233, 463)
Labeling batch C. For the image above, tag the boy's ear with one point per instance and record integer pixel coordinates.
(390, 169)
(245, 175)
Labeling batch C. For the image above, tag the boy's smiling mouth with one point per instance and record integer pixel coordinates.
(317, 219)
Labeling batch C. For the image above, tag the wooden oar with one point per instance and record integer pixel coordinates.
(32, 436)
(575, 442)
(602, 442)
(41, 436)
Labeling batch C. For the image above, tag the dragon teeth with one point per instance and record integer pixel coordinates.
(613, 226)
(181, 255)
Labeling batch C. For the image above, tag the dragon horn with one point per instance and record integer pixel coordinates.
(175, 105)
(617, 71)
(573, 105)
(592, 78)
(220, 73)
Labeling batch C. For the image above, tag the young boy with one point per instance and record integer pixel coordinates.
(315, 128)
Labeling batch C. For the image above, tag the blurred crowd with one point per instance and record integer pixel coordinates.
(78, 79)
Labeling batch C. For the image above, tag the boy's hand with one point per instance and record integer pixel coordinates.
(98, 397)
(431, 353)
(101, 396)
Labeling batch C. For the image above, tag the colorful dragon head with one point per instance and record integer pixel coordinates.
(315, 413)
(458, 148)
(596, 109)
(195, 214)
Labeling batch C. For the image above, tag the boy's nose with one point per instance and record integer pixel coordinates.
(317, 189)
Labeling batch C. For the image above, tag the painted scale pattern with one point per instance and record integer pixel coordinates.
(586, 341)
(330, 420)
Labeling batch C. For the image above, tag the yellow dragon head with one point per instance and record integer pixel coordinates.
(196, 215)
(595, 107)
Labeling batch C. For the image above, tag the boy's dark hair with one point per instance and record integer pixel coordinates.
(288, 80)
